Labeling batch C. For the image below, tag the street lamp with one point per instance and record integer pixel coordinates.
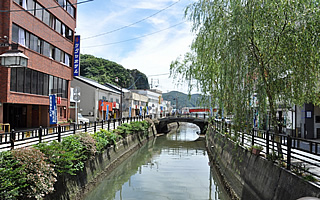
(13, 57)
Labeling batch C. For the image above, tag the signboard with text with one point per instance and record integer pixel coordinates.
(52, 109)
(76, 54)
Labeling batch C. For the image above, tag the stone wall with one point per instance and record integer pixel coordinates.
(248, 176)
(74, 187)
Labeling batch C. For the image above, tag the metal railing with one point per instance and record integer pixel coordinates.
(29, 137)
(297, 154)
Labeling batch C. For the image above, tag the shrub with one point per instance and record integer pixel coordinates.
(105, 138)
(12, 176)
(69, 155)
(25, 174)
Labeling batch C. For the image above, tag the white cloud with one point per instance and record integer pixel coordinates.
(150, 55)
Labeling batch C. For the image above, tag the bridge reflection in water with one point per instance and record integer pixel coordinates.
(173, 166)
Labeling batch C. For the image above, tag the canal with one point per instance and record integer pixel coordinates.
(173, 166)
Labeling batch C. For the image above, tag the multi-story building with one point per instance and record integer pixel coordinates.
(133, 103)
(154, 101)
(44, 30)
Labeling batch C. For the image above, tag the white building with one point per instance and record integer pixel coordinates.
(154, 101)
(133, 102)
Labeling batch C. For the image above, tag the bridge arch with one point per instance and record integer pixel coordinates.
(162, 127)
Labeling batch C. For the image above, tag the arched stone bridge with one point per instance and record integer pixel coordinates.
(163, 122)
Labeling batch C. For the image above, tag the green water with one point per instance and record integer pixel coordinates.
(171, 167)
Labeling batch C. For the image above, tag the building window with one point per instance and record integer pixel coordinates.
(55, 85)
(51, 85)
(34, 82)
(20, 79)
(58, 26)
(39, 11)
(13, 79)
(31, 6)
(46, 17)
(27, 88)
(40, 83)
(57, 55)
(46, 84)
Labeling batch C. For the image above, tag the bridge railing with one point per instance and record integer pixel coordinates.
(28, 137)
(298, 155)
(195, 115)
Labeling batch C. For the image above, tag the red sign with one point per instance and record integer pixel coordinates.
(103, 105)
(199, 110)
(58, 100)
(114, 104)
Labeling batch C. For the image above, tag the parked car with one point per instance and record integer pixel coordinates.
(82, 119)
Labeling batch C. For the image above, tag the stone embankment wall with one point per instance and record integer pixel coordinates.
(253, 177)
(74, 187)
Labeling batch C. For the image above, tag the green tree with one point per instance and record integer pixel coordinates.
(267, 49)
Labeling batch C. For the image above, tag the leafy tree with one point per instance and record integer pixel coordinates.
(242, 49)
(105, 71)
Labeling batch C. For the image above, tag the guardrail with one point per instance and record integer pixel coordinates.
(298, 154)
(29, 137)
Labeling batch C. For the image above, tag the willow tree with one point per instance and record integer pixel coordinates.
(246, 48)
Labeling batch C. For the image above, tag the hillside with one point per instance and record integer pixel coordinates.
(105, 71)
(184, 100)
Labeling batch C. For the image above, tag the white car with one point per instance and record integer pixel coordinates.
(82, 119)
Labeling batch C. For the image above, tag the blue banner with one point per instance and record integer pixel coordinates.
(147, 110)
(140, 111)
(129, 111)
(107, 112)
(76, 60)
(52, 109)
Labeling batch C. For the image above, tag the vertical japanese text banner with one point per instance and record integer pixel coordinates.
(76, 58)
(52, 109)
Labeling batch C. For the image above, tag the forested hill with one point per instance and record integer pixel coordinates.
(105, 71)
(183, 99)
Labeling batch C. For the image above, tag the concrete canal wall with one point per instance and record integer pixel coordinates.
(248, 176)
(74, 187)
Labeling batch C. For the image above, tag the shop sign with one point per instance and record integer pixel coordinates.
(103, 105)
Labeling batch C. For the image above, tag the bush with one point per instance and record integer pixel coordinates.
(12, 176)
(105, 138)
(69, 155)
(25, 174)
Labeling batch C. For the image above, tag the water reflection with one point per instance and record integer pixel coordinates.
(174, 166)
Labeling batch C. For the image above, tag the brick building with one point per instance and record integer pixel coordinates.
(44, 30)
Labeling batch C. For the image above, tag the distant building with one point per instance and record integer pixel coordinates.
(46, 37)
(134, 103)
(94, 99)
(154, 100)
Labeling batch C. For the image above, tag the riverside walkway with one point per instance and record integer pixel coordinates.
(300, 156)
(24, 138)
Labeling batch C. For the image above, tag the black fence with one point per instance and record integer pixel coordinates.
(25, 138)
(298, 154)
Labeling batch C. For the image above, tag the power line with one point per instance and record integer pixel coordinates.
(135, 37)
(134, 23)
(2, 11)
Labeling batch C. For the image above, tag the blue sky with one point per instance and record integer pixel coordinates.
(106, 31)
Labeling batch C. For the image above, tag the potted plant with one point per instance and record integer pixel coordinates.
(256, 149)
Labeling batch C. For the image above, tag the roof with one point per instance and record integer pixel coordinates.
(96, 84)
